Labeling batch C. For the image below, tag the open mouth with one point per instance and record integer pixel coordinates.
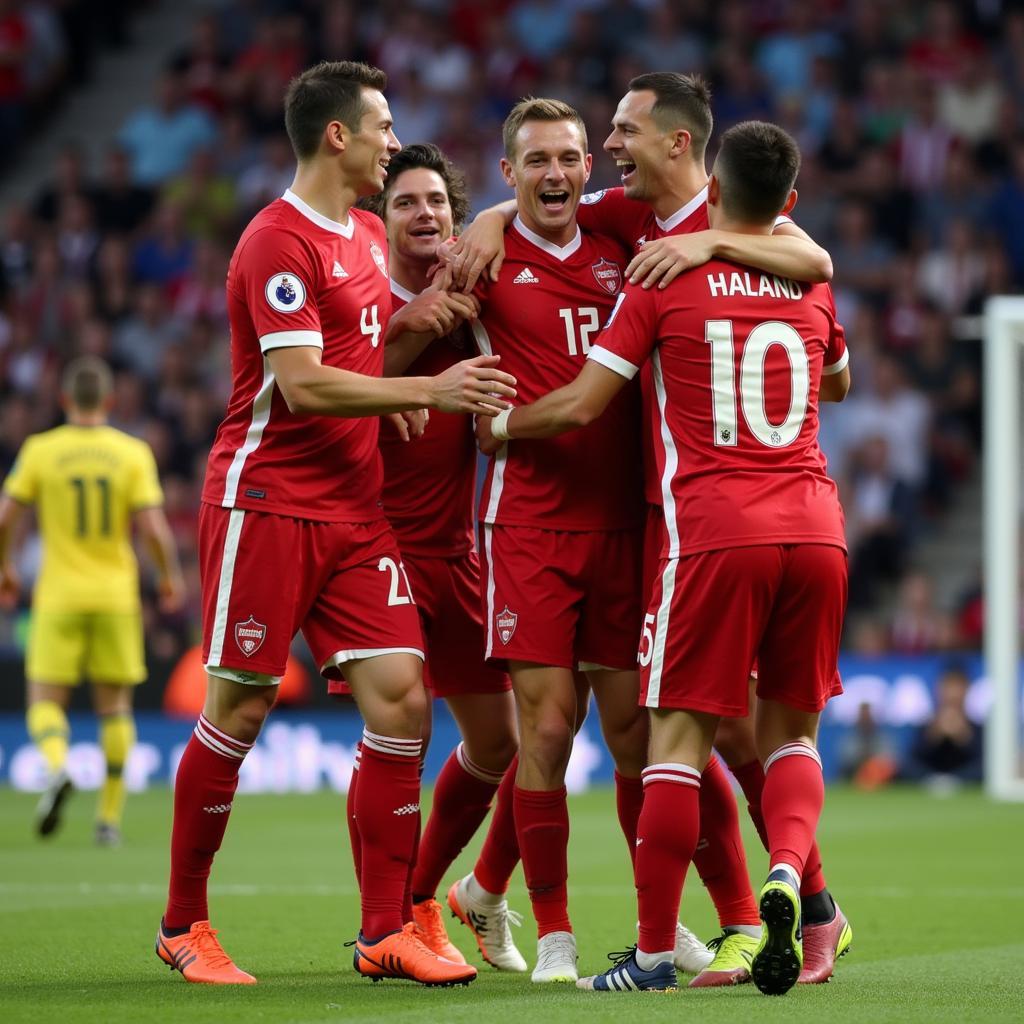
(554, 201)
(627, 169)
(425, 232)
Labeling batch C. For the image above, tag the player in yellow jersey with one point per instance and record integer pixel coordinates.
(89, 484)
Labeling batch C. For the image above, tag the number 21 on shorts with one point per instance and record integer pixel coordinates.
(398, 576)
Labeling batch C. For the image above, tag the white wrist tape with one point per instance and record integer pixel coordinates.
(499, 425)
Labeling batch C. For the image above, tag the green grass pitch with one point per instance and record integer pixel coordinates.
(933, 889)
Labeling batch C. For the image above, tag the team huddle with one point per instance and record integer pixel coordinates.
(657, 528)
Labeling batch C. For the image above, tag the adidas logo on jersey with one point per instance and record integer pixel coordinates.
(339, 270)
(526, 276)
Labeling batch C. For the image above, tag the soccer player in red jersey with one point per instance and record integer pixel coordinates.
(560, 519)
(753, 552)
(429, 491)
(659, 132)
(292, 534)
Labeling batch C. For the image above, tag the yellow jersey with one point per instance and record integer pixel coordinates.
(85, 483)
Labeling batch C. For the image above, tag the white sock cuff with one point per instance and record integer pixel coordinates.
(793, 750)
(681, 774)
(790, 870)
(220, 742)
(470, 767)
(391, 745)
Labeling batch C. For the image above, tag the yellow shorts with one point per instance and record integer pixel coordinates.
(103, 647)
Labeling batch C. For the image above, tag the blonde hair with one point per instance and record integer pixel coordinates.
(533, 108)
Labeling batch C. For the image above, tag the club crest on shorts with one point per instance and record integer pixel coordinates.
(378, 257)
(285, 293)
(608, 276)
(505, 621)
(249, 636)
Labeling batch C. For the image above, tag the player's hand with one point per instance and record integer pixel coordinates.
(480, 247)
(474, 386)
(485, 440)
(660, 262)
(410, 424)
(172, 595)
(10, 587)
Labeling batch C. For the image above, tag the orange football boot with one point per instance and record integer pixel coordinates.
(432, 932)
(199, 956)
(402, 954)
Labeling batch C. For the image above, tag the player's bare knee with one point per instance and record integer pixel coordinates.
(734, 741)
(549, 740)
(493, 753)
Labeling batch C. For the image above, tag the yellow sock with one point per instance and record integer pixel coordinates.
(117, 737)
(48, 727)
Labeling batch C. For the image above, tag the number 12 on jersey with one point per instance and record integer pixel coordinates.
(582, 322)
(719, 335)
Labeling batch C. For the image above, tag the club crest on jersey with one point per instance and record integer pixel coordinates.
(249, 636)
(608, 276)
(505, 621)
(588, 198)
(285, 293)
(378, 257)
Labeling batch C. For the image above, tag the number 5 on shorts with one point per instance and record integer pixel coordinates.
(394, 597)
(646, 653)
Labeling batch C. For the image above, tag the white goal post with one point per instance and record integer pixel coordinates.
(1003, 453)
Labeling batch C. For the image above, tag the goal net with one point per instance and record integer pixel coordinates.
(1004, 524)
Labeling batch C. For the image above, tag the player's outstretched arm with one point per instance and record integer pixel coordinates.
(567, 408)
(10, 585)
(432, 314)
(788, 252)
(312, 389)
(158, 538)
(480, 247)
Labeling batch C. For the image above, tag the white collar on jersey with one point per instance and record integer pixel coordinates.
(345, 230)
(683, 212)
(560, 252)
(403, 293)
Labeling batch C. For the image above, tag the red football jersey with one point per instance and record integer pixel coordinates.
(540, 317)
(737, 359)
(632, 223)
(298, 278)
(429, 482)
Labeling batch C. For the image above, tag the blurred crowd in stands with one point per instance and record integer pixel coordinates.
(909, 116)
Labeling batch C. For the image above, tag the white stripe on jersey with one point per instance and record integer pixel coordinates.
(227, 573)
(488, 532)
(254, 435)
(291, 339)
(671, 458)
(483, 342)
(668, 587)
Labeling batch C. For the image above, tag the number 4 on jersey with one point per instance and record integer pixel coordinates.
(369, 324)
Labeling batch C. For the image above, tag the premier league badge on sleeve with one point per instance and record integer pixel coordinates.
(608, 276)
(286, 293)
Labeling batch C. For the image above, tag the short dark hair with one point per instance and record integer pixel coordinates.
(756, 167)
(534, 108)
(87, 383)
(328, 91)
(681, 101)
(428, 156)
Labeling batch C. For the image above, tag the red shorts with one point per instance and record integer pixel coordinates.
(713, 613)
(654, 539)
(448, 598)
(265, 576)
(559, 598)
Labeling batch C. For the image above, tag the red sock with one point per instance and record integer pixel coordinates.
(629, 800)
(794, 793)
(500, 853)
(719, 859)
(407, 892)
(203, 790)
(542, 824)
(462, 797)
(350, 817)
(668, 830)
(387, 809)
(750, 776)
